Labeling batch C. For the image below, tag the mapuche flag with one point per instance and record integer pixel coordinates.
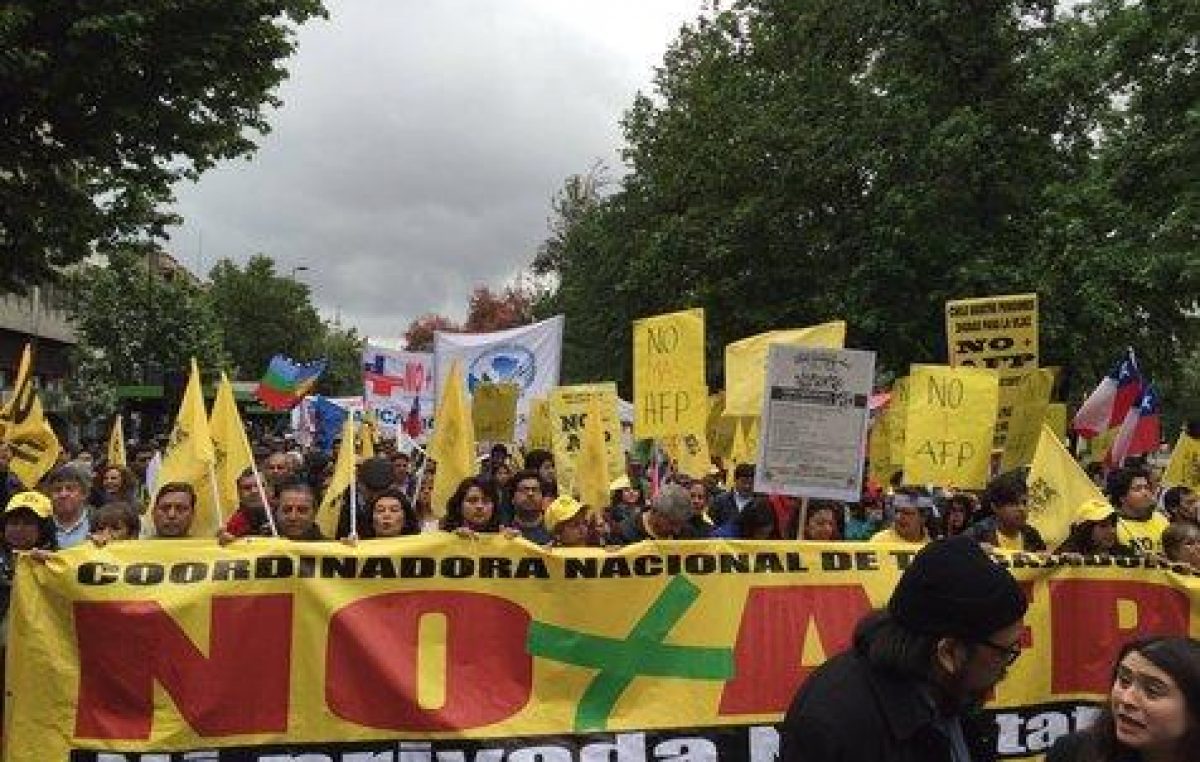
(286, 382)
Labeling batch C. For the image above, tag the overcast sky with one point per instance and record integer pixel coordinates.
(419, 145)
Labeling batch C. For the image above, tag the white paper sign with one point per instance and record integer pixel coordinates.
(814, 422)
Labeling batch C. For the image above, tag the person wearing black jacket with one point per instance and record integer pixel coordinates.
(909, 688)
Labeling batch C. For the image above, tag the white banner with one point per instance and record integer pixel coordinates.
(814, 416)
(528, 356)
(398, 389)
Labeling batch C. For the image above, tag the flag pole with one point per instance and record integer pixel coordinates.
(212, 477)
(262, 495)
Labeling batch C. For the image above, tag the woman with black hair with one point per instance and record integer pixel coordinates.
(1153, 708)
(471, 509)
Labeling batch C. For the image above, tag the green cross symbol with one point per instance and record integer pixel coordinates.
(643, 653)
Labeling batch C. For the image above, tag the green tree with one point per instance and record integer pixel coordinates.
(134, 323)
(814, 159)
(343, 347)
(106, 105)
(263, 314)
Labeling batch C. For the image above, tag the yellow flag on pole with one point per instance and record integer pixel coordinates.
(23, 425)
(116, 443)
(231, 447)
(592, 477)
(1057, 487)
(366, 436)
(1184, 467)
(746, 362)
(453, 442)
(343, 476)
(738, 452)
(189, 456)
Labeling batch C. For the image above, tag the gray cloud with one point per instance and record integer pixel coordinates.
(419, 145)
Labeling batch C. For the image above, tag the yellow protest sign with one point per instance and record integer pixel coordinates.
(720, 427)
(539, 435)
(949, 428)
(669, 393)
(239, 652)
(879, 451)
(1184, 467)
(1001, 333)
(494, 412)
(897, 419)
(1029, 401)
(746, 362)
(568, 411)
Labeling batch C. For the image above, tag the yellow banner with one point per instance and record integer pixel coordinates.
(746, 362)
(568, 411)
(23, 425)
(540, 428)
(1028, 408)
(669, 392)
(494, 411)
(1001, 333)
(171, 646)
(949, 426)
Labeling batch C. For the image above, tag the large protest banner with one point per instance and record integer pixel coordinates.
(814, 418)
(949, 426)
(997, 332)
(669, 393)
(397, 385)
(496, 649)
(529, 356)
(568, 411)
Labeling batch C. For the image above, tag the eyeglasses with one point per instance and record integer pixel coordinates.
(1011, 653)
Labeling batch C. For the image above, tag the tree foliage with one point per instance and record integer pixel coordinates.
(487, 311)
(262, 314)
(803, 160)
(343, 347)
(419, 335)
(106, 105)
(134, 324)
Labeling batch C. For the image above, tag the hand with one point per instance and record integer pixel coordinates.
(351, 539)
(466, 533)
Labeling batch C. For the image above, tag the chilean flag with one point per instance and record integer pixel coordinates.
(1140, 431)
(412, 423)
(1109, 404)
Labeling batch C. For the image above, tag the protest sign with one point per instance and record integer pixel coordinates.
(397, 386)
(879, 460)
(494, 412)
(814, 422)
(1029, 402)
(897, 419)
(949, 427)
(997, 332)
(746, 362)
(539, 436)
(568, 411)
(285, 651)
(669, 393)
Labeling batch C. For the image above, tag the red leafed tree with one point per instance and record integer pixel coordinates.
(419, 336)
(490, 311)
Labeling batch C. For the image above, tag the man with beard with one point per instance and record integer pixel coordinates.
(527, 510)
(909, 687)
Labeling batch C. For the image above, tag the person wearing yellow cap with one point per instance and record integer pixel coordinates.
(1094, 531)
(566, 519)
(26, 526)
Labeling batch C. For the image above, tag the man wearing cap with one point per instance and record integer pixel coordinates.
(907, 689)
(68, 487)
(566, 520)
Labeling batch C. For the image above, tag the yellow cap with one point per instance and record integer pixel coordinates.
(1094, 510)
(563, 508)
(621, 482)
(34, 501)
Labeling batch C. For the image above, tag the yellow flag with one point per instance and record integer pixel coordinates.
(669, 394)
(950, 423)
(539, 436)
(720, 428)
(746, 362)
(494, 411)
(738, 452)
(1184, 466)
(879, 460)
(189, 456)
(343, 476)
(453, 442)
(23, 425)
(366, 436)
(1057, 487)
(897, 421)
(592, 476)
(1056, 419)
(116, 443)
(569, 407)
(752, 434)
(231, 447)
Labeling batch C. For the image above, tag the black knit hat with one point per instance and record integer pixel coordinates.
(952, 589)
